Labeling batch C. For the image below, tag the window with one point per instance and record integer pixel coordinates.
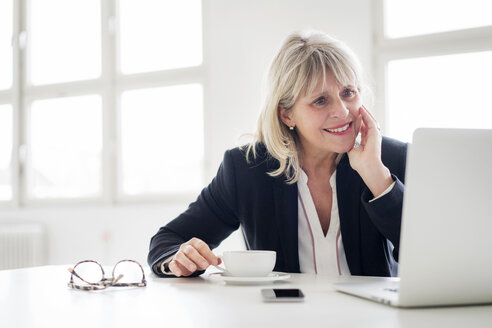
(65, 148)
(6, 101)
(161, 128)
(5, 152)
(453, 93)
(435, 73)
(6, 29)
(70, 53)
(417, 17)
(101, 101)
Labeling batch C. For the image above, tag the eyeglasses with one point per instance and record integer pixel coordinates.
(89, 275)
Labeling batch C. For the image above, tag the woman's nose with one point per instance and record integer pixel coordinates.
(339, 110)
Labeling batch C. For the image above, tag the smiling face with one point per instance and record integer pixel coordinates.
(326, 120)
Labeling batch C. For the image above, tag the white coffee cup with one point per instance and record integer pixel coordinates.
(248, 263)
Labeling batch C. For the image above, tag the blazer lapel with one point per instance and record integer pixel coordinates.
(348, 195)
(285, 197)
(286, 216)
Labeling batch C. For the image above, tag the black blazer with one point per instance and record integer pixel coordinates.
(243, 194)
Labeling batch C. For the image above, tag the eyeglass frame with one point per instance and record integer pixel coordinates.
(104, 282)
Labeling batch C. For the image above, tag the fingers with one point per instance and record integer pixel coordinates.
(363, 134)
(368, 154)
(368, 119)
(358, 123)
(192, 256)
(178, 270)
(204, 251)
(368, 112)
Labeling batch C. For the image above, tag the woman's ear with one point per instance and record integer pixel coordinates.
(285, 116)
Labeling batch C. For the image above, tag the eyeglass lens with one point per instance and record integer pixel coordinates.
(131, 271)
(89, 271)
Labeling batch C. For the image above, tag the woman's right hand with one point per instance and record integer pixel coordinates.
(192, 256)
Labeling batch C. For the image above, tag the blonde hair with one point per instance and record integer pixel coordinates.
(302, 60)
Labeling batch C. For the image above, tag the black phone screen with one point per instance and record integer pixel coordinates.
(288, 293)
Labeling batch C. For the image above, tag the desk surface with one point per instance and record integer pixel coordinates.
(39, 297)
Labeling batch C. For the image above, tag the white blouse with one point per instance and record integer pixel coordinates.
(318, 253)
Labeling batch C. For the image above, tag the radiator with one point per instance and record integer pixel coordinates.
(22, 245)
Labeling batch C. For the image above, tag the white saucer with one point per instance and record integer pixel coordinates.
(272, 277)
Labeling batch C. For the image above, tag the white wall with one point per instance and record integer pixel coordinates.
(241, 39)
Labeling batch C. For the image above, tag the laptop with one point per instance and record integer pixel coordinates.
(446, 236)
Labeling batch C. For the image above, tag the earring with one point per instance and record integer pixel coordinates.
(291, 128)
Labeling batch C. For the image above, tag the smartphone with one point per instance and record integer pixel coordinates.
(282, 295)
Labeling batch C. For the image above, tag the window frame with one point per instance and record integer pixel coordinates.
(477, 39)
(109, 86)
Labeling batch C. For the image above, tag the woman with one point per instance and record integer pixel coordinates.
(304, 187)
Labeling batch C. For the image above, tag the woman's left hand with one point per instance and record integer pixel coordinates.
(366, 158)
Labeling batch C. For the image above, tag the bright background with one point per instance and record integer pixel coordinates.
(106, 136)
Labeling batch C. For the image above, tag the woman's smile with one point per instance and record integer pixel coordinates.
(340, 129)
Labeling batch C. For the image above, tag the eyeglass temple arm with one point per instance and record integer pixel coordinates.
(117, 278)
(73, 273)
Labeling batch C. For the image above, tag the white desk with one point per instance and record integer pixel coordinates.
(39, 297)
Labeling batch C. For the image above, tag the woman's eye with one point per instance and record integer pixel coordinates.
(348, 93)
(320, 101)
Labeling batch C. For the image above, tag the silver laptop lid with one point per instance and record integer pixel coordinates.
(446, 240)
